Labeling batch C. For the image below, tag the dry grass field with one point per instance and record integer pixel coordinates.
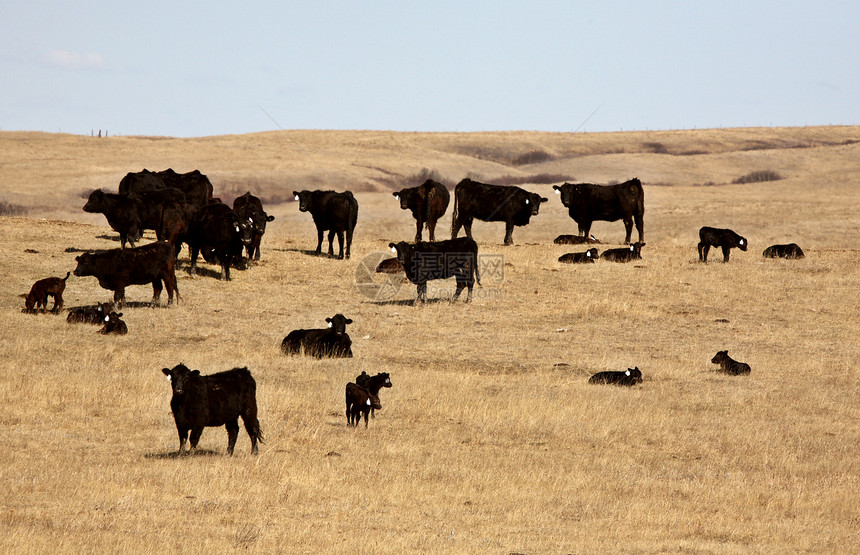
(491, 440)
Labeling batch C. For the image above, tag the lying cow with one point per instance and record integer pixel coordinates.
(632, 252)
(575, 240)
(492, 203)
(88, 314)
(331, 342)
(373, 384)
(211, 401)
(41, 290)
(427, 203)
(116, 269)
(389, 266)
(629, 378)
(249, 206)
(726, 239)
(791, 250)
(586, 257)
(729, 365)
(422, 262)
(587, 203)
(359, 401)
(334, 212)
(113, 325)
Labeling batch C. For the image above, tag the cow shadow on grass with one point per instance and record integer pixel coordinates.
(410, 302)
(176, 455)
(308, 252)
(204, 272)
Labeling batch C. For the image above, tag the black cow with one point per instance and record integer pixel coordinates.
(587, 203)
(41, 290)
(335, 212)
(632, 252)
(575, 240)
(791, 250)
(124, 213)
(88, 314)
(327, 342)
(116, 269)
(249, 206)
(492, 203)
(373, 384)
(196, 186)
(427, 202)
(220, 235)
(389, 266)
(726, 239)
(729, 365)
(588, 256)
(176, 220)
(214, 400)
(359, 401)
(629, 378)
(113, 324)
(422, 262)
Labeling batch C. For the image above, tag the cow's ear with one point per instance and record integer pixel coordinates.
(544, 199)
(328, 320)
(195, 373)
(557, 189)
(118, 315)
(166, 371)
(78, 258)
(269, 218)
(348, 321)
(396, 195)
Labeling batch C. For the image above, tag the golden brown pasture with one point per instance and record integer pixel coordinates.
(491, 440)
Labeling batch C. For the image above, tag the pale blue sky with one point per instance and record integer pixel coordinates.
(206, 68)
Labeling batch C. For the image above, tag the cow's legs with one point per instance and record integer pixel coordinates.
(365, 417)
(119, 297)
(461, 284)
(640, 227)
(422, 291)
(703, 251)
(349, 233)
(628, 229)
(195, 437)
(331, 242)
(509, 233)
(419, 226)
(156, 292)
(431, 227)
(195, 250)
(726, 250)
(340, 245)
(455, 227)
(467, 227)
(232, 434)
(183, 437)
(320, 232)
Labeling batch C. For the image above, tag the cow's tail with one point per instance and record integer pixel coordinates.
(67, 276)
(454, 227)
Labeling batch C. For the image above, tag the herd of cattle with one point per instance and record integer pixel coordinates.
(180, 208)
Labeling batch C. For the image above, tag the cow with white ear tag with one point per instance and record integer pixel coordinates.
(220, 235)
(726, 239)
(630, 377)
(332, 341)
(113, 325)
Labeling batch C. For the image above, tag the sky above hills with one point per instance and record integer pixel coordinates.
(209, 68)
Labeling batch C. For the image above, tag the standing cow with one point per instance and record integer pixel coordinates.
(196, 186)
(427, 202)
(124, 213)
(335, 212)
(726, 239)
(422, 262)
(219, 234)
(492, 203)
(214, 400)
(116, 269)
(587, 203)
(249, 206)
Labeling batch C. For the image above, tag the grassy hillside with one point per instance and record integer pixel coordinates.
(491, 440)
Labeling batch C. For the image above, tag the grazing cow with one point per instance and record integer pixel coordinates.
(335, 212)
(726, 239)
(327, 342)
(427, 202)
(359, 401)
(587, 203)
(249, 206)
(492, 203)
(212, 401)
(116, 269)
(586, 257)
(373, 384)
(219, 234)
(575, 240)
(41, 290)
(389, 266)
(729, 365)
(629, 378)
(114, 325)
(176, 219)
(632, 252)
(195, 185)
(88, 314)
(124, 213)
(422, 262)
(791, 250)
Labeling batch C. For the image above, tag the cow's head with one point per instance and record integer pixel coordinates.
(634, 373)
(112, 322)
(244, 228)
(533, 201)
(180, 376)
(304, 200)
(95, 202)
(85, 265)
(338, 323)
(636, 249)
(592, 253)
(401, 249)
(406, 197)
(385, 379)
(743, 243)
(720, 357)
(566, 192)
